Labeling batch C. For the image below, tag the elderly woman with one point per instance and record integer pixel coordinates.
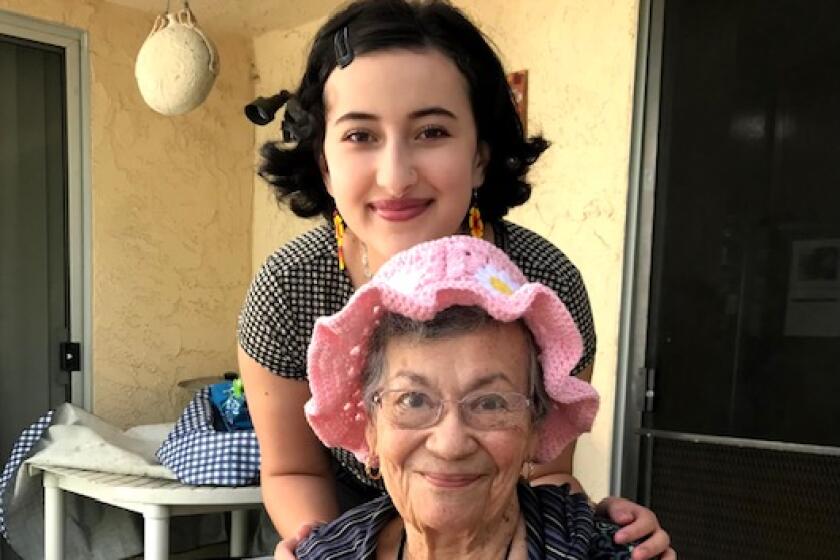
(448, 375)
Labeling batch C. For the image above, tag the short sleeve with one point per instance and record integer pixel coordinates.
(568, 284)
(542, 262)
(298, 284)
(267, 327)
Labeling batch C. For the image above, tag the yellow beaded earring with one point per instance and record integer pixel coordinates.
(338, 222)
(474, 221)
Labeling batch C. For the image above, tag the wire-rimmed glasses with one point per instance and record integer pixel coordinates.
(413, 409)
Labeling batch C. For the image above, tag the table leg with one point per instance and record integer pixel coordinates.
(156, 533)
(238, 532)
(53, 519)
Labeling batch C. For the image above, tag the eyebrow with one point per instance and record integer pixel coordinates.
(477, 384)
(418, 114)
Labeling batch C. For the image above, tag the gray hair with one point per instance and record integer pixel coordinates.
(450, 322)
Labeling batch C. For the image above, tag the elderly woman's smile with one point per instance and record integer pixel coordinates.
(439, 466)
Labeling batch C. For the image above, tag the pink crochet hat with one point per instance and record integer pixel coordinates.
(419, 283)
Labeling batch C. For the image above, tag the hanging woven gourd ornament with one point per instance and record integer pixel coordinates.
(176, 65)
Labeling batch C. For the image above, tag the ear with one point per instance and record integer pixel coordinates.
(482, 158)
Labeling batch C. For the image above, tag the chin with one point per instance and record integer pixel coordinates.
(450, 520)
(398, 243)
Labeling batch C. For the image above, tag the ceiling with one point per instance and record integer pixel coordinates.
(246, 17)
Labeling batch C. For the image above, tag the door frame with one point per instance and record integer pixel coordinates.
(638, 252)
(77, 71)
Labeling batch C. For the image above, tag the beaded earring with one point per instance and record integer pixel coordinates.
(338, 221)
(476, 225)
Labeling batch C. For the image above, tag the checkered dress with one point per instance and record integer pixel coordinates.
(301, 282)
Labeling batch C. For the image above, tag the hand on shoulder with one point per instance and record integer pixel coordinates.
(638, 524)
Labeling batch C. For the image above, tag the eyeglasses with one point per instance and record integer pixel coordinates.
(415, 410)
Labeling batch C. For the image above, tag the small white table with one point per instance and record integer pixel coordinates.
(156, 498)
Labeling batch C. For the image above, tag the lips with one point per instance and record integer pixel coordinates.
(400, 210)
(444, 480)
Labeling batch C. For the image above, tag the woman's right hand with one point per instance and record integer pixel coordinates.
(285, 550)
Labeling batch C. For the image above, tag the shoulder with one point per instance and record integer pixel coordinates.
(556, 501)
(353, 535)
(603, 546)
(542, 261)
(538, 257)
(313, 249)
(564, 525)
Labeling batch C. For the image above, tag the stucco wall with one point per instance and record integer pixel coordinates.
(580, 57)
(171, 218)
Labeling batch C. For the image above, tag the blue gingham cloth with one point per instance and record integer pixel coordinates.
(198, 454)
(20, 452)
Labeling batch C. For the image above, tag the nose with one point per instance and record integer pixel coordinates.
(451, 438)
(396, 173)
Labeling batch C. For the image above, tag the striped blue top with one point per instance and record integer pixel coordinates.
(559, 525)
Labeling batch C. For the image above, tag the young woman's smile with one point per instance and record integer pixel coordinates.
(400, 209)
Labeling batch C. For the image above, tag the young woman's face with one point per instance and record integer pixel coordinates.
(401, 154)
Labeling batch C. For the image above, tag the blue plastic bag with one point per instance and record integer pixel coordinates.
(228, 399)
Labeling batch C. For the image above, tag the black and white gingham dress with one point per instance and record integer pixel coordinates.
(301, 282)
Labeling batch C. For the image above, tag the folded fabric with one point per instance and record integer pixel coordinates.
(200, 454)
(71, 437)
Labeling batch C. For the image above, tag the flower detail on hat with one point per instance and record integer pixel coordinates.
(497, 280)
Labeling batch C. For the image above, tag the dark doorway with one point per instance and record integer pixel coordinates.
(741, 438)
(34, 310)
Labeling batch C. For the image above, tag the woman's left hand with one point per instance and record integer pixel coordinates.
(638, 522)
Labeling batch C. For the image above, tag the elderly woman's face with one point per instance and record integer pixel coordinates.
(451, 476)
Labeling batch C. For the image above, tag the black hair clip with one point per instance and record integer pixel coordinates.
(261, 111)
(343, 51)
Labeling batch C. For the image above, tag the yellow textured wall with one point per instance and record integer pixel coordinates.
(171, 218)
(580, 56)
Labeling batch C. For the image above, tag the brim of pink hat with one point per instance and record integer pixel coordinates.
(338, 351)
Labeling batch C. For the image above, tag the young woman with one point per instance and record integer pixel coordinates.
(403, 130)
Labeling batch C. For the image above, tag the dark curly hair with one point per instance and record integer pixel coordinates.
(293, 172)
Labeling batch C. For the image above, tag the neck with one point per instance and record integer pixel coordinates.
(355, 248)
(491, 540)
